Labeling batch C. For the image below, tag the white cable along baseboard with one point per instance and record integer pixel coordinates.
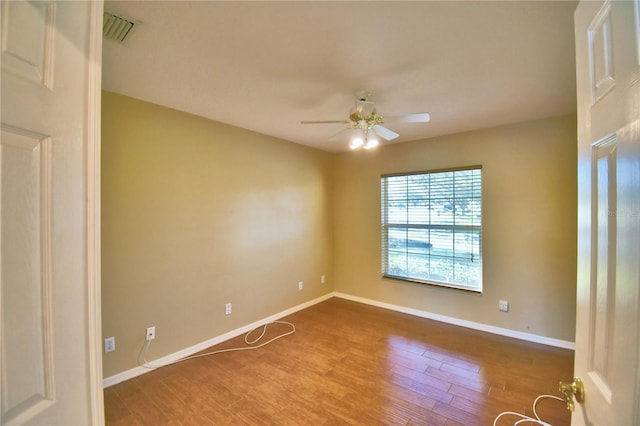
(137, 371)
(168, 359)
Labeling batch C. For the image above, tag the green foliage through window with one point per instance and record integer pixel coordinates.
(432, 227)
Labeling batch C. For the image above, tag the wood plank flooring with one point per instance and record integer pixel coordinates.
(352, 364)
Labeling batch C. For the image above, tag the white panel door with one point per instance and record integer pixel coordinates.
(50, 356)
(608, 297)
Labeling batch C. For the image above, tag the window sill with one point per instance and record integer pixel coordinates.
(435, 284)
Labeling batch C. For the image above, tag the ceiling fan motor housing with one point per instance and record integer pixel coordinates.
(365, 122)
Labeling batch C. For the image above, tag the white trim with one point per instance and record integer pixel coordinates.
(463, 323)
(92, 213)
(137, 371)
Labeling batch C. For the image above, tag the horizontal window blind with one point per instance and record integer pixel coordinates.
(432, 227)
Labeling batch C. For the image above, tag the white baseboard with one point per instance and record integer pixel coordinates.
(463, 323)
(137, 371)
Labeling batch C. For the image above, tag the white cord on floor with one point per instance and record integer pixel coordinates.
(527, 419)
(145, 348)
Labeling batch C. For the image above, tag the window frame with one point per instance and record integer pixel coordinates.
(386, 225)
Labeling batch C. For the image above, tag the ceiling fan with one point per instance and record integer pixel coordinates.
(364, 124)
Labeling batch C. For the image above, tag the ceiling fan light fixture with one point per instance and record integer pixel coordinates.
(364, 139)
(356, 142)
(371, 143)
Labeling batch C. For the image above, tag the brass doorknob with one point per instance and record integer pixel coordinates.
(571, 390)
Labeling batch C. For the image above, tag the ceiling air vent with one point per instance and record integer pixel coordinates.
(116, 27)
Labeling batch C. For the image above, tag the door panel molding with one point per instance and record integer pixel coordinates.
(28, 379)
(31, 58)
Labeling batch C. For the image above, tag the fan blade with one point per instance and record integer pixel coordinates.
(421, 117)
(325, 122)
(385, 133)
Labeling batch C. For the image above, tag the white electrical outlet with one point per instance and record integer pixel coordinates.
(300, 285)
(151, 333)
(227, 308)
(110, 344)
(321, 279)
(503, 305)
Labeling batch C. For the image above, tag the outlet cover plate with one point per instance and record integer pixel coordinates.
(110, 344)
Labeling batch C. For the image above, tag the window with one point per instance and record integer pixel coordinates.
(432, 227)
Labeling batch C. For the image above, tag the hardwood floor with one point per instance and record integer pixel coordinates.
(350, 363)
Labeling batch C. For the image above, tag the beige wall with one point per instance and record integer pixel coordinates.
(196, 214)
(529, 225)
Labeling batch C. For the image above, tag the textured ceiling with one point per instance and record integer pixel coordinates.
(266, 66)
